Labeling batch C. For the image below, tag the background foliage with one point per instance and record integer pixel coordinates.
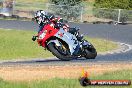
(111, 11)
(66, 2)
(114, 4)
(68, 9)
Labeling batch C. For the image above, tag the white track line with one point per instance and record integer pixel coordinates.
(123, 49)
(129, 47)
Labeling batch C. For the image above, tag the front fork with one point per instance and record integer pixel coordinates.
(84, 44)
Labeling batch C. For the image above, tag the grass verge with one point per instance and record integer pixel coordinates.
(17, 44)
(69, 83)
(30, 5)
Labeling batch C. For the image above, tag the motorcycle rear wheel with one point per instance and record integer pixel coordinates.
(57, 53)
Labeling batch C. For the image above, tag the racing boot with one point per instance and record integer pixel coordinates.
(79, 37)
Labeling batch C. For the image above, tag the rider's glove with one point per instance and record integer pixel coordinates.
(58, 25)
(34, 38)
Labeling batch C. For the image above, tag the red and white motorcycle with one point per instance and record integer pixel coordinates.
(64, 45)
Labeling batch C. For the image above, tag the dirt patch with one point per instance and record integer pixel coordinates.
(30, 73)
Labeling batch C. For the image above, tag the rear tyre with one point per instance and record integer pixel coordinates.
(56, 52)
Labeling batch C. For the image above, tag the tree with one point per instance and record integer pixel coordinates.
(130, 4)
(68, 9)
(66, 2)
(110, 9)
(114, 4)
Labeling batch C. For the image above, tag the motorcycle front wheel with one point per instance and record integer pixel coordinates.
(90, 52)
(58, 52)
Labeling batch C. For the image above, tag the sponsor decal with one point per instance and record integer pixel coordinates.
(61, 34)
(86, 81)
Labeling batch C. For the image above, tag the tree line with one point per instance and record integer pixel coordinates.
(114, 4)
(111, 4)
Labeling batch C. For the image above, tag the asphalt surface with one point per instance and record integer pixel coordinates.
(117, 33)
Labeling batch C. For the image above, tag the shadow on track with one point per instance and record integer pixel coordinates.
(41, 61)
(54, 61)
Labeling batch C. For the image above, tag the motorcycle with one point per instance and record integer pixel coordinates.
(64, 45)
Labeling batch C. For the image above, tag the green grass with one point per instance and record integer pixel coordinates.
(30, 4)
(69, 83)
(102, 45)
(17, 44)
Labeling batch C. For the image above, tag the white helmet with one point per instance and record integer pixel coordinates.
(40, 16)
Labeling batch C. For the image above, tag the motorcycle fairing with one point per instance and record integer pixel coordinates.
(69, 38)
(50, 31)
(54, 41)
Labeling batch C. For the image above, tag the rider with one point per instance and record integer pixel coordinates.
(42, 18)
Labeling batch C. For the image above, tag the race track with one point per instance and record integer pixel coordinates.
(118, 33)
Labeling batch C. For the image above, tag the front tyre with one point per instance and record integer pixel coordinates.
(56, 52)
(90, 52)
